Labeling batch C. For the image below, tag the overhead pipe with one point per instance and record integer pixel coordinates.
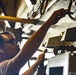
(15, 19)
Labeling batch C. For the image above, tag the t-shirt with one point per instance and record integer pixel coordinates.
(5, 68)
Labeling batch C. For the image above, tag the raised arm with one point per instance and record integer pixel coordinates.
(35, 40)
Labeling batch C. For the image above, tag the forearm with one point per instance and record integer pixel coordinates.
(32, 69)
(35, 40)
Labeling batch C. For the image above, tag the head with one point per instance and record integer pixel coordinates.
(8, 45)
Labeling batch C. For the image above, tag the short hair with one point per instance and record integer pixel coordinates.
(1, 38)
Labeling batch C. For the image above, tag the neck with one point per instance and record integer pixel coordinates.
(3, 57)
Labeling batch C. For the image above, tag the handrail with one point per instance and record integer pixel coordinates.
(15, 19)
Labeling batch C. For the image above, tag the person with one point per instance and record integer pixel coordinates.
(12, 59)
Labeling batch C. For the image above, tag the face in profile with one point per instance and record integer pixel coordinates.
(9, 45)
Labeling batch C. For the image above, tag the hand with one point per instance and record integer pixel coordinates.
(40, 58)
(57, 15)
